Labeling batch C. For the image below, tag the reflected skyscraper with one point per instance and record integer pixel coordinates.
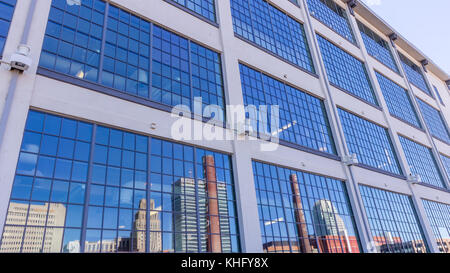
(330, 228)
(137, 239)
(209, 200)
(326, 219)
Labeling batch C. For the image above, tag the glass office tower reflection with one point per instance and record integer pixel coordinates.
(302, 212)
(82, 187)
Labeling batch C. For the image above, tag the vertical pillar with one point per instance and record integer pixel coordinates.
(338, 133)
(393, 134)
(246, 203)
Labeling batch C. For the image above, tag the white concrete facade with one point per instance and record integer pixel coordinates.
(33, 91)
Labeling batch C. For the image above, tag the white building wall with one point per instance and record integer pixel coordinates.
(38, 92)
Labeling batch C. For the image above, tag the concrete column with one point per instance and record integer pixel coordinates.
(247, 208)
(393, 134)
(20, 97)
(354, 195)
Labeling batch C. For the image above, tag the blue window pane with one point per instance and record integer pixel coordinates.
(377, 47)
(303, 120)
(74, 216)
(6, 14)
(27, 164)
(80, 32)
(393, 222)
(398, 101)
(22, 187)
(370, 142)
(268, 27)
(421, 161)
(31, 142)
(302, 212)
(41, 189)
(434, 121)
(345, 71)
(438, 215)
(446, 162)
(46, 166)
(35, 121)
(414, 74)
(204, 8)
(77, 193)
(95, 218)
(60, 191)
(332, 15)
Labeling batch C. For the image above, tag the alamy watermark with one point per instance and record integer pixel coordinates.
(243, 123)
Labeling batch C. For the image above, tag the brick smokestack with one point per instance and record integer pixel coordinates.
(305, 245)
(214, 239)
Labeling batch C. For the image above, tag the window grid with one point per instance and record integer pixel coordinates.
(204, 8)
(117, 197)
(414, 74)
(434, 121)
(171, 81)
(446, 163)
(317, 217)
(393, 222)
(332, 15)
(207, 76)
(126, 55)
(439, 217)
(57, 178)
(6, 13)
(346, 72)
(303, 119)
(377, 47)
(370, 142)
(49, 188)
(73, 39)
(273, 30)
(398, 101)
(421, 161)
(133, 50)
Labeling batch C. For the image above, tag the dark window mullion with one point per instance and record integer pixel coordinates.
(88, 189)
(102, 50)
(147, 190)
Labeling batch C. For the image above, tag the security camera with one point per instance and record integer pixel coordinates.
(21, 60)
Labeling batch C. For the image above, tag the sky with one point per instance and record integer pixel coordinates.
(425, 24)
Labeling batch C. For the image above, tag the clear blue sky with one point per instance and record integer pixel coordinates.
(430, 34)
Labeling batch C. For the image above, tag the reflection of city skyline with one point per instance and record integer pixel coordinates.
(195, 224)
(330, 232)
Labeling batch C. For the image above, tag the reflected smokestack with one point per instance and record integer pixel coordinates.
(214, 240)
(305, 245)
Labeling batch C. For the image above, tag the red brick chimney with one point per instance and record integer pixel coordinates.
(214, 240)
(305, 245)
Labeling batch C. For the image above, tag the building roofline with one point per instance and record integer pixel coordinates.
(370, 16)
